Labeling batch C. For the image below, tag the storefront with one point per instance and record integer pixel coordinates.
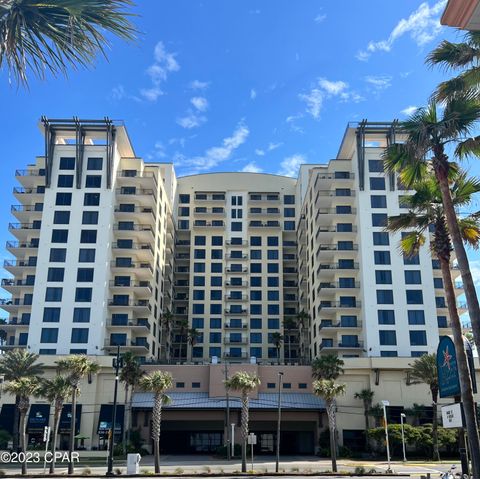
(38, 419)
(105, 424)
(65, 425)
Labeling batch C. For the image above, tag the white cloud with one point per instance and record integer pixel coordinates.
(252, 167)
(274, 146)
(410, 110)
(118, 92)
(216, 154)
(290, 165)
(423, 25)
(198, 85)
(292, 122)
(314, 101)
(253, 94)
(271, 146)
(164, 64)
(379, 82)
(199, 102)
(259, 152)
(191, 120)
(332, 87)
(320, 18)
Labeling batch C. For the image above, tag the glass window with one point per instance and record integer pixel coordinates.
(65, 181)
(418, 338)
(85, 275)
(51, 315)
(58, 255)
(81, 315)
(86, 255)
(236, 226)
(215, 338)
(289, 225)
(438, 283)
(199, 267)
(440, 302)
(83, 295)
(384, 296)
(255, 254)
(255, 267)
(273, 295)
(216, 294)
(215, 323)
(442, 322)
(216, 254)
(61, 217)
(256, 295)
(256, 281)
(378, 201)
(388, 354)
(381, 257)
(63, 199)
(272, 240)
(387, 337)
(414, 296)
(217, 240)
(184, 199)
(53, 294)
(256, 241)
(198, 308)
(416, 317)
(94, 163)
(199, 281)
(377, 184)
(256, 309)
(93, 181)
(289, 199)
(255, 323)
(79, 335)
(91, 199)
(386, 316)
(197, 323)
(90, 218)
(67, 163)
(199, 253)
(379, 219)
(381, 238)
(55, 274)
(375, 166)
(256, 338)
(88, 236)
(413, 277)
(383, 277)
(184, 211)
(59, 236)
(216, 268)
(200, 240)
(49, 335)
(272, 268)
(272, 254)
(273, 323)
(216, 281)
(411, 260)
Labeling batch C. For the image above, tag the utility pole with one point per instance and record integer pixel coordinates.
(279, 418)
(227, 412)
(111, 440)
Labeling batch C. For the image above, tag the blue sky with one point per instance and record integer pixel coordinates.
(236, 85)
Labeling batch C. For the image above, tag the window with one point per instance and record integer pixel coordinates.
(59, 236)
(273, 295)
(198, 309)
(344, 227)
(236, 226)
(61, 217)
(413, 277)
(272, 268)
(384, 296)
(442, 322)
(85, 275)
(256, 295)
(184, 199)
(387, 338)
(198, 281)
(180, 385)
(416, 317)
(383, 277)
(91, 199)
(51, 315)
(86, 255)
(81, 315)
(386, 316)
(195, 385)
(273, 309)
(83, 295)
(65, 181)
(216, 254)
(345, 245)
(216, 268)
(388, 354)
(255, 323)
(199, 253)
(272, 240)
(377, 183)
(375, 166)
(53, 294)
(216, 294)
(200, 240)
(49, 335)
(256, 338)
(63, 199)
(255, 254)
(414, 296)
(79, 335)
(440, 302)
(90, 218)
(256, 281)
(289, 199)
(67, 163)
(199, 267)
(273, 323)
(438, 283)
(289, 225)
(58, 255)
(381, 238)
(413, 259)
(289, 212)
(255, 267)
(215, 323)
(217, 240)
(215, 338)
(256, 241)
(256, 309)
(183, 211)
(94, 163)
(93, 181)
(418, 338)
(197, 323)
(215, 281)
(379, 219)
(55, 274)
(378, 201)
(88, 236)
(381, 257)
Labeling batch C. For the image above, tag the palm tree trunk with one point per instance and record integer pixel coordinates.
(244, 431)
(53, 445)
(333, 442)
(16, 425)
(130, 409)
(156, 424)
(125, 420)
(278, 355)
(23, 439)
(289, 349)
(71, 446)
(436, 452)
(367, 445)
(464, 373)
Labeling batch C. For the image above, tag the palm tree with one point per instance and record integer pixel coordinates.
(289, 325)
(157, 382)
(24, 388)
(427, 135)
(245, 383)
(130, 374)
(277, 340)
(76, 367)
(167, 323)
(424, 371)
(458, 56)
(51, 36)
(426, 211)
(328, 390)
(302, 319)
(17, 364)
(329, 366)
(183, 327)
(56, 391)
(366, 395)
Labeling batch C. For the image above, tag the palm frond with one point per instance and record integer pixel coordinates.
(470, 230)
(452, 55)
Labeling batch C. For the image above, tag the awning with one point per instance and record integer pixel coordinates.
(66, 419)
(38, 418)
(7, 417)
(105, 418)
(201, 400)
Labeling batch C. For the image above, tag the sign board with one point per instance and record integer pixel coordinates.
(448, 378)
(452, 415)
(252, 439)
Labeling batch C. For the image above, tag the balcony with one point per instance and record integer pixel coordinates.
(236, 312)
(139, 347)
(182, 244)
(235, 355)
(140, 305)
(23, 230)
(242, 284)
(234, 326)
(242, 257)
(182, 270)
(257, 212)
(13, 324)
(13, 345)
(138, 287)
(325, 216)
(331, 325)
(327, 250)
(329, 305)
(200, 211)
(143, 233)
(129, 177)
(182, 284)
(139, 196)
(236, 271)
(182, 256)
(12, 305)
(208, 224)
(327, 267)
(141, 270)
(140, 213)
(260, 224)
(290, 284)
(235, 340)
(17, 267)
(259, 198)
(335, 231)
(16, 285)
(22, 247)
(30, 195)
(141, 251)
(243, 297)
(290, 298)
(235, 243)
(338, 177)
(334, 287)
(31, 177)
(335, 345)
(211, 197)
(27, 212)
(290, 271)
(181, 297)
(140, 325)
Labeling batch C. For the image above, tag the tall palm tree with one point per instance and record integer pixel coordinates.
(167, 323)
(463, 56)
(51, 36)
(277, 341)
(130, 374)
(424, 371)
(426, 211)
(17, 364)
(24, 388)
(183, 328)
(245, 383)
(303, 320)
(56, 390)
(157, 382)
(76, 367)
(328, 390)
(289, 325)
(329, 366)
(427, 136)
(366, 395)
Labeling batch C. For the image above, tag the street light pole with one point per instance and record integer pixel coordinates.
(227, 413)
(402, 417)
(111, 439)
(385, 404)
(279, 418)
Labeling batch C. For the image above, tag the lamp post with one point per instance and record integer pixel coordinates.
(117, 364)
(386, 403)
(402, 417)
(279, 418)
(227, 414)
